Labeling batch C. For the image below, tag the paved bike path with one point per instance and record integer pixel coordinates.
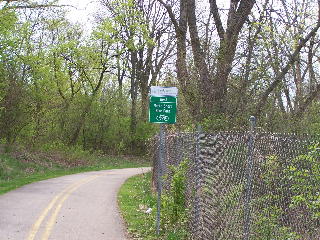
(74, 207)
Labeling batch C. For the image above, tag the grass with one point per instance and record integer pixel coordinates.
(134, 198)
(23, 167)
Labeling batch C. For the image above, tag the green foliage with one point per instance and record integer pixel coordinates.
(105, 129)
(144, 132)
(229, 213)
(21, 166)
(127, 18)
(215, 123)
(267, 225)
(52, 90)
(311, 121)
(285, 203)
(268, 213)
(303, 173)
(174, 206)
(50, 68)
(136, 196)
(300, 178)
(8, 18)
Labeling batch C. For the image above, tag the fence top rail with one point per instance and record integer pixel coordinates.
(244, 133)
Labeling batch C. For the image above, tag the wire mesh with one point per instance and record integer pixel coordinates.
(284, 201)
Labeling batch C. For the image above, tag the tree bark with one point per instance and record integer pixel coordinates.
(144, 76)
(312, 76)
(81, 120)
(238, 14)
(183, 75)
(307, 101)
(206, 86)
(133, 91)
(298, 83)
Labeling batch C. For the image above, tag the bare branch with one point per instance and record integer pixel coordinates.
(303, 107)
(216, 16)
(285, 70)
(171, 15)
(36, 6)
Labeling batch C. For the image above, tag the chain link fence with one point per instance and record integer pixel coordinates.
(247, 185)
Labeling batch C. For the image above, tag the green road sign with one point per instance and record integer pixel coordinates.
(163, 109)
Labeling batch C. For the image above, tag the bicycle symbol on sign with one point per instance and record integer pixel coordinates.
(162, 118)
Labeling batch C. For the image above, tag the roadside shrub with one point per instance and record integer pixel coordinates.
(174, 206)
(289, 207)
(285, 203)
(303, 175)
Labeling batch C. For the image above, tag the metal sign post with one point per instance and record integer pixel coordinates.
(159, 185)
(163, 110)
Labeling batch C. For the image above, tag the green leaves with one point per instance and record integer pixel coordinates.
(304, 176)
(127, 27)
(8, 19)
(293, 194)
(175, 211)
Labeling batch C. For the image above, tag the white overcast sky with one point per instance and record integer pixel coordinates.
(82, 10)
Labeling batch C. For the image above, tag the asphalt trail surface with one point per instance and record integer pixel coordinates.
(74, 207)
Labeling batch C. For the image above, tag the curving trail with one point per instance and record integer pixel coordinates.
(74, 207)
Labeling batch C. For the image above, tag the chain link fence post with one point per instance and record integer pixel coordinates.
(159, 174)
(198, 183)
(249, 177)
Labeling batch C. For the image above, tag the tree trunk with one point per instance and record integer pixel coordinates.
(80, 123)
(206, 86)
(144, 72)
(133, 92)
(144, 103)
(213, 89)
(312, 76)
(237, 16)
(183, 75)
(224, 66)
(298, 83)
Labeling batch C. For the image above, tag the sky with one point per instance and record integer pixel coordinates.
(81, 11)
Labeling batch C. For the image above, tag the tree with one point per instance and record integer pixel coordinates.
(140, 28)
(292, 59)
(223, 88)
(212, 82)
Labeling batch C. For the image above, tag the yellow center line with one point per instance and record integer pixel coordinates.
(45, 212)
(35, 228)
(52, 220)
